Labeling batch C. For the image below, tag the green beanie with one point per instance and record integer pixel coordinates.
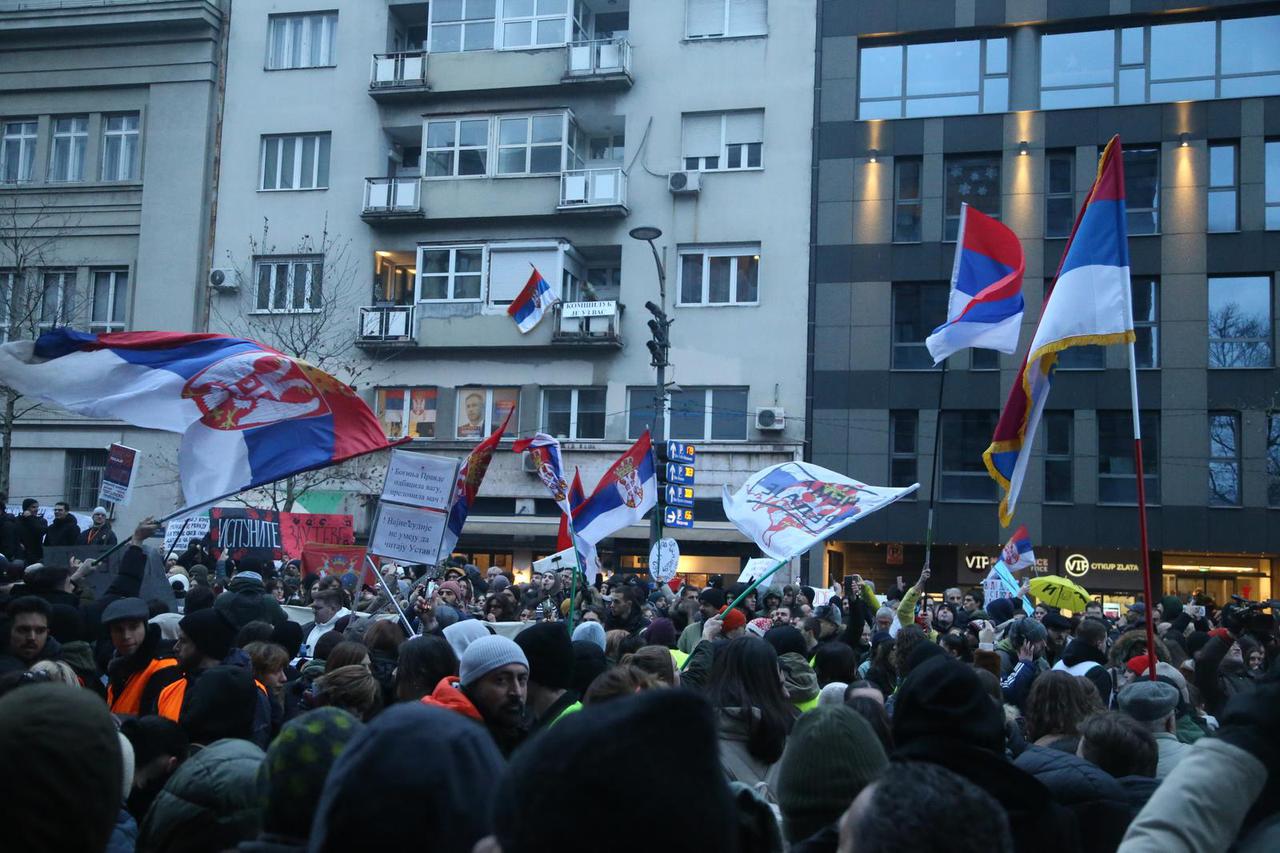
(831, 756)
(1172, 607)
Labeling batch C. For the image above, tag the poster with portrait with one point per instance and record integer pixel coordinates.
(471, 408)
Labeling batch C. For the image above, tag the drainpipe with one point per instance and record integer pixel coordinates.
(205, 308)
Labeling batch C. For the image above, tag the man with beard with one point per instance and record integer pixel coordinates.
(136, 662)
(624, 611)
(491, 688)
(28, 630)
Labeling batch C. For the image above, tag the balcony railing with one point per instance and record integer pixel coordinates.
(404, 69)
(392, 196)
(602, 57)
(386, 324)
(587, 188)
(587, 323)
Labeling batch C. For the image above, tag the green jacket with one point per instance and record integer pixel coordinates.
(210, 803)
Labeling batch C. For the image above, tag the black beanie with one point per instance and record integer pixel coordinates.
(1000, 610)
(944, 699)
(922, 653)
(212, 633)
(588, 662)
(578, 758)
(713, 596)
(786, 638)
(550, 653)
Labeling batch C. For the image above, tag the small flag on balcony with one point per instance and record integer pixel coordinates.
(532, 303)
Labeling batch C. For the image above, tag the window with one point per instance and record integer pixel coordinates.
(288, 284)
(450, 273)
(918, 309)
(1272, 203)
(1059, 193)
(1117, 483)
(1088, 357)
(965, 435)
(56, 294)
(1146, 321)
(83, 477)
(70, 139)
(482, 410)
(1189, 60)
(904, 428)
(407, 411)
(301, 41)
(695, 414)
(530, 145)
(573, 413)
(299, 162)
(939, 79)
(110, 306)
(120, 147)
(8, 286)
(721, 18)
(1273, 460)
(1223, 183)
(983, 359)
(1240, 321)
(972, 179)
(1224, 459)
(720, 275)
(722, 141)
(526, 23)
(456, 148)
(18, 151)
(1059, 428)
(906, 200)
(1142, 190)
(460, 25)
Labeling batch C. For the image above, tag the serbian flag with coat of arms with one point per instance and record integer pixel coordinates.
(535, 299)
(1089, 304)
(248, 415)
(624, 494)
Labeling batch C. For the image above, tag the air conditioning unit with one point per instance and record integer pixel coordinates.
(529, 463)
(225, 280)
(684, 182)
(771, 419)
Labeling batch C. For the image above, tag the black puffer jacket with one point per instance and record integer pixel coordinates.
(210, 803)
(1089, 792)
(247, 600)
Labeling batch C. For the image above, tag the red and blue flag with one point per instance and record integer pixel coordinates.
(534, 301)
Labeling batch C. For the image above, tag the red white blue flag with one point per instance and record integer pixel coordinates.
(534, 300)
(624, 494)
(546, 451)
(986, 289)
(248, 415)
(1017, 554)
(576, 497)
(1089, 304)
(470, 475)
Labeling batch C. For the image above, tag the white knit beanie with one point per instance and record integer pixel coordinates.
(487, 654)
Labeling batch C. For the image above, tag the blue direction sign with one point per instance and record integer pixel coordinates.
(674, 516)
(680, 495)
(680, 474)
(678, 451)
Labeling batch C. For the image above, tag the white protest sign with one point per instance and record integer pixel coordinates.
(176, 539)
(664, 559)
(420, 479)
(407, 533)
(756, 567)
(557, 561)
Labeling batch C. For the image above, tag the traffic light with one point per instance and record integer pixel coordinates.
(660, 343)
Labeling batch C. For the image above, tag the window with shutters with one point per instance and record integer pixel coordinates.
(732, 141)
(726, 18)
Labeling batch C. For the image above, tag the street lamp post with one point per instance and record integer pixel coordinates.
(659, 349)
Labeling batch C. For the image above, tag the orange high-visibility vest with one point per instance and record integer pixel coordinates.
(169, 703)
(130, 699)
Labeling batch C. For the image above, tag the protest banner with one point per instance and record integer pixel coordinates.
(245, 531)
(420, 479)
(408, 533)
(413, 511)
(299, 529)
(322, 559)
(155, 586)
(176, 539)
(117, 478)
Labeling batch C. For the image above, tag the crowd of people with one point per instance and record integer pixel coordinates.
(474, 713)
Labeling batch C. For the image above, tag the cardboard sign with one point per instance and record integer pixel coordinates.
(299, 529)
(176, 538)
(243, 531)
(420, 479)
(154, 583)
(407, 533)
(117, 479)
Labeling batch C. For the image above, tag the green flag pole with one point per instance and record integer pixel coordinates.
(755, 583)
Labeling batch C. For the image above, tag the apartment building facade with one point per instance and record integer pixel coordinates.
(107, 118)
(1005, 105)
(393, 174)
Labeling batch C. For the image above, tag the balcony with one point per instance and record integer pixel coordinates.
(603, 65)
(594, 191)
(392, 199)
(587, 323)
(386, 326)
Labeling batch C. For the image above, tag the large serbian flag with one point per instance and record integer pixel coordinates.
(986, 289)
(1088, 304)
(534, 300)
(248, 414)
(624, 494)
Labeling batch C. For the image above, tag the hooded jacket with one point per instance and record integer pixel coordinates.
(1087, 661)
(449, 696)
(799, 681)
(246, 600)
(417, 775)
(211, 802)
(1218, 678)
(63, 532)
(122, 670)
(31, 530)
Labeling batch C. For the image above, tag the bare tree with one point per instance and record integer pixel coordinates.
(1238, 338)
(302, 301)
(37, 292)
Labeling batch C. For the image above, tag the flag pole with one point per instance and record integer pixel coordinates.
(750, 588)
(1142, 503)
(577, 569)
(937, 466)
(382, 582)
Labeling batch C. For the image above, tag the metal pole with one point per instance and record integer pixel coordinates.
(382, 582)
(659, 402)
(937, 468)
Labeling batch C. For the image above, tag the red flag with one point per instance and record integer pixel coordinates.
(576, 496)
(336, 560)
